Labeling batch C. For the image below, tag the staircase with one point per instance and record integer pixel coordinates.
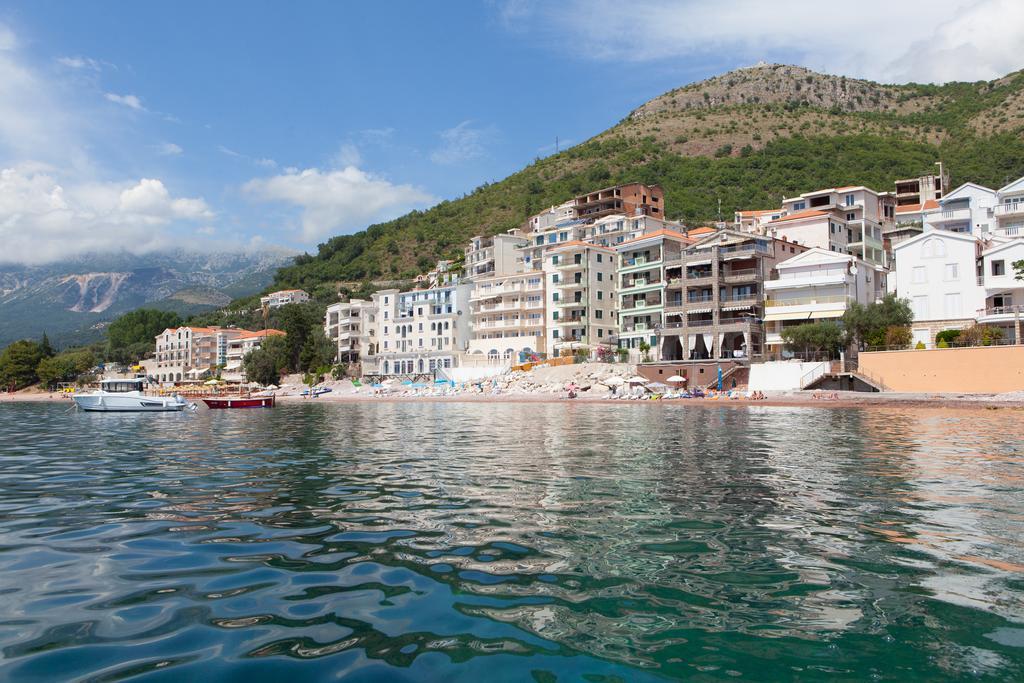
(838, 371)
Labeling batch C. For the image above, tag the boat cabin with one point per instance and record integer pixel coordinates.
(120, 386)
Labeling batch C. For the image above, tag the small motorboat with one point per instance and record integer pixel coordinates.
(316, 392)
(219, 402)
(126, 396)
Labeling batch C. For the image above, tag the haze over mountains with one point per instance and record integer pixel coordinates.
(73, 300)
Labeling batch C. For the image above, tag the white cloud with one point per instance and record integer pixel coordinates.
(460, 144)
(169, 149)
(265, 163)
(336, 201)
(927, 41)
(348, 155)
(79, 63)
(43, 220)
(8, 41)
(130, 101)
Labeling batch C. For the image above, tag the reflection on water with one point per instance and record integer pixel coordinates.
(432, 541)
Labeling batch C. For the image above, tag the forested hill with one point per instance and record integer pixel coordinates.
(747, 138)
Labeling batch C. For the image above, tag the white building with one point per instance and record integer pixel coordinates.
(283, 298)
(1004, 293)
(847, 220)
(580, 297)
(507, 317)
(1009, 210)
(420, 331)
(938, 272)
(967, 209)
(241, 346)
(816, 286)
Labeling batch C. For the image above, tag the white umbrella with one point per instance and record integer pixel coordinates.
(676, 378)
(637, 380)
(212, 381)
(614, 382)
(271, 386)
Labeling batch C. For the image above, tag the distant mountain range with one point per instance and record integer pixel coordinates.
(72, 301)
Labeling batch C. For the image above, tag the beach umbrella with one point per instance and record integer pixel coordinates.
(440, 381)
(211, 381)
(271, 387)
(407, 383)
(417, 385)
(614, 382)
(676, 378)
(637, 380)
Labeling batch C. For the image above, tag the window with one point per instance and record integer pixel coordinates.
(799, 206)
(554, 334)
(600, 332)
(851, 216)
(563, 236)
(554, 260)
(920, 275)
(599, 258)
(598, 313)
(554, 315)
(920, 306)
(600, 277)
(953, 305)
(600, 295)
(952, 272)
(998, 267)
(554, 279)
(849, 200)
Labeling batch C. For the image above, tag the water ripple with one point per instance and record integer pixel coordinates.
(512, 541)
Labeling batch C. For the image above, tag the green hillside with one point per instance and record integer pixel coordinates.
(746, 138)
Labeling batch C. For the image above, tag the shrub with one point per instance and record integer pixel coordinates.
(942, 344)
(898, 337)
(948, 336)
(919, 346)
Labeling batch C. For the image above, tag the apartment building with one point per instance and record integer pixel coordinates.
(1004, 293)
(184, 353)
(928, 187)
(909, 222)
(239, 347)
(967, 209)
(283, 298)
(420, 331)
(580, 285)
(847, 220)
(486, 256)
(755, 222)
(348, 324)
(631, 199)
(816, 286)
(641, 283)
(613, 230)
(937, 271)
(1009, 210)
(715, 296)
(507, 317)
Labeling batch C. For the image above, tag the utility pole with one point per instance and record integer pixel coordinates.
(556, 144)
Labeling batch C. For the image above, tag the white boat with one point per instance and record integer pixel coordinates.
(126, 396)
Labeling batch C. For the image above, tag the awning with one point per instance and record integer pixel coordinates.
(699, 310)
(736, 308)
(803, 315)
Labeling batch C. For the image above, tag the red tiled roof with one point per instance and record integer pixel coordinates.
(702, 230)
(756, 212)
(663, 232)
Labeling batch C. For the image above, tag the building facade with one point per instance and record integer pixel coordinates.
(283, 298)
(715, 296)
(816, 286)
(580, 284)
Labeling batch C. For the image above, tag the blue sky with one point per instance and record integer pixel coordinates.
(146, 125)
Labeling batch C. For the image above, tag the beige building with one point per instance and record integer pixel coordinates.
(507, 317)
(189, 353)
(241, 346)
(486, 256)
(580, 283)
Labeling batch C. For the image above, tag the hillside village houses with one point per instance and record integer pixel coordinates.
(283, 298)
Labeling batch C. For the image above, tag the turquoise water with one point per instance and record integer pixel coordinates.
(512, 542)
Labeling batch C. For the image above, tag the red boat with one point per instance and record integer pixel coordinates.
(239, 402)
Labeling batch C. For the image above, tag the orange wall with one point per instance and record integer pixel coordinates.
(977, 370)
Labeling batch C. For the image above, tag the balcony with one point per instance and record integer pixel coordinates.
(699, 278)
(571, 303)
(996, 314)
(639, 263)
(740, 275)
(773, 302)
(951, 216)
(641, 285)
(1010, 209)
(640, 307)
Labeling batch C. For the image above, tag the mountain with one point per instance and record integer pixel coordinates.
(746, 139)
(73, 301)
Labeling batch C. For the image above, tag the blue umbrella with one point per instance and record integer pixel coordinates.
(406, 382)
(417, 385)
(440, 381)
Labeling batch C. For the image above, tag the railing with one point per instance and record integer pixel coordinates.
(740, 273)
(815, 373)
(639, 304)
(807, 301)
(1000, 310)
(640, 282)
(742, 299)
(1009, 209)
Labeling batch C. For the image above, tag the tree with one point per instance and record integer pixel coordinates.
(133, 335)
(18, 364)
(868, 325)
(1018, 269)
(979, 335)
(317, 352)
(299, 321)
(65, 367)
(814, 339)
(44, 344)
(265, 364)
(645, 349)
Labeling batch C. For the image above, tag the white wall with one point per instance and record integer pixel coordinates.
(779, 375)
(922, 276)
